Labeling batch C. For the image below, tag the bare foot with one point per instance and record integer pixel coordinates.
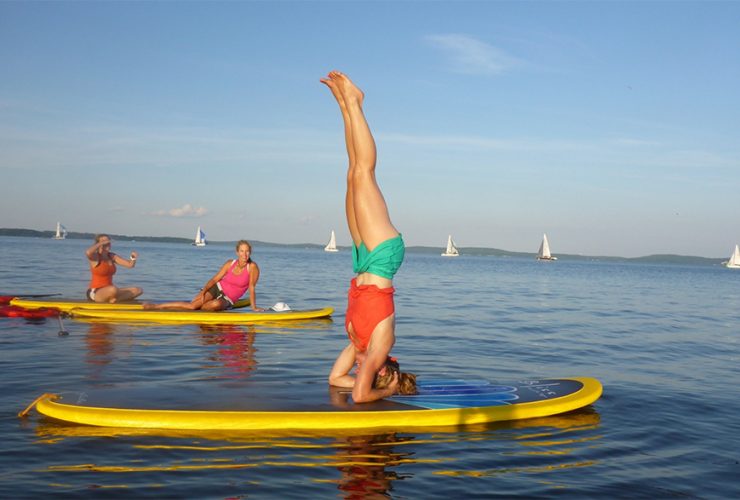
(350, 91)
(335, 91)
(112, 300)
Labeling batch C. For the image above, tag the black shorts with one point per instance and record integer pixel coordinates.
(217, 293)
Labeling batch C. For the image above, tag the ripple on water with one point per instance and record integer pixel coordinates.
(662, 339)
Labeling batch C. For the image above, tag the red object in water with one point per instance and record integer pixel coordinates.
(21, 312)
(5, 299)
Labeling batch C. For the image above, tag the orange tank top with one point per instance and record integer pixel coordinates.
(102, 274)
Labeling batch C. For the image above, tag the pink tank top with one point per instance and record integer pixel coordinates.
(234, 285)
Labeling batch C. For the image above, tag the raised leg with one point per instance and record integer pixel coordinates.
(365, 201)
(348, 199)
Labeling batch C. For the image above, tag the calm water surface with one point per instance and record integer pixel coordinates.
(662, 339)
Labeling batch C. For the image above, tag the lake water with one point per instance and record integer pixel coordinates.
(663, 340)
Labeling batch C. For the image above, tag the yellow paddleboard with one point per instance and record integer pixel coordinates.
(66, 305)
(304, 407)
(199, 317)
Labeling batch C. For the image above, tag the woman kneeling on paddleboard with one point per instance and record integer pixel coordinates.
(102, 267)
(226, 287)
(377, 254)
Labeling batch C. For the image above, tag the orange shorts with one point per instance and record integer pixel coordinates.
(367, 305)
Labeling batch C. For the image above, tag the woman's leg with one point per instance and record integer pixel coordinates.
(106, 294)
(195, 304)
(369, 207)
(129, 293)
(214, 305)
(348, 199)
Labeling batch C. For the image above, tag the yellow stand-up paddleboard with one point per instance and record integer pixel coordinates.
(199, 317)
(66, 305)
(315, 407)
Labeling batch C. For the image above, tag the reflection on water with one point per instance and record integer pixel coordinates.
(234, 347)
(363, 464)
(99, 342)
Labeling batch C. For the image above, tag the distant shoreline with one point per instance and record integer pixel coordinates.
(466, 251)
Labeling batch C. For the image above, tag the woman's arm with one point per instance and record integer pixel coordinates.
(217, 277)
(254, 276)
(363, 390)
(130, 262)
(90, 252)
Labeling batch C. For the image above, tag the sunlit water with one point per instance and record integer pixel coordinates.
(662, 339)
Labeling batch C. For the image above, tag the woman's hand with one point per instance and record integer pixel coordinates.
(393, 386)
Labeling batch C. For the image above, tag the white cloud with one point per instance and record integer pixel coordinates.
(471, 56)
(187, 210)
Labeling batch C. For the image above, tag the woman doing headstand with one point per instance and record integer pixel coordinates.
(377, 254)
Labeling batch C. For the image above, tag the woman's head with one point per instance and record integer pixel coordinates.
(244, 250)
(103, 238)
(406, 381)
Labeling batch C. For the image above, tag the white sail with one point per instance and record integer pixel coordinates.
(451, 250)
(544, 252)
(734, 262)
(200, 238)
(61, 232)
(332, 245)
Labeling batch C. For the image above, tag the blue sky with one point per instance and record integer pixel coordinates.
(611, 126)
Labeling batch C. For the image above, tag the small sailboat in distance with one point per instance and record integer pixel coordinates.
(451, 250)
(61, 232)
(544, 251)
(734, 262)
(332, 245)
(200, 238)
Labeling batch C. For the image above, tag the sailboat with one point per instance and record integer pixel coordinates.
(200, 238)
(61, 232)
(544, 251)
(734, 262)
(332, 245)
(451, 250)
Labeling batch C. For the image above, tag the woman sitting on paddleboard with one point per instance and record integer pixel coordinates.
(103, 266)
(377, 254)
(226, 287)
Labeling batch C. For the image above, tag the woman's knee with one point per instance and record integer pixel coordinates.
(214, 305)
(363, 174)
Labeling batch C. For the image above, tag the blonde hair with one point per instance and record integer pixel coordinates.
(406, 381)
